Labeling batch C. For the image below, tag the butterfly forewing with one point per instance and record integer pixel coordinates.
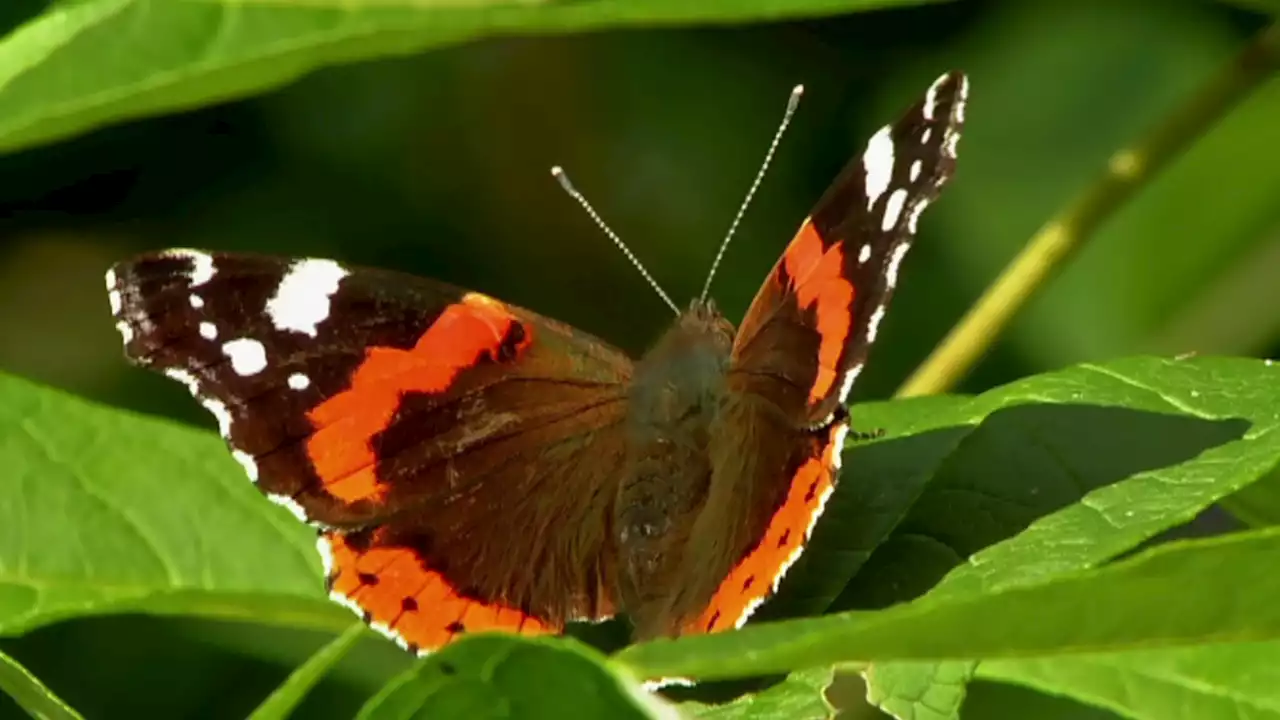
(824, 300)
(442, 440)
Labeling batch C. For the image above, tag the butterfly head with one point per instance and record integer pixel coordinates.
(703, 323)
(683, 372)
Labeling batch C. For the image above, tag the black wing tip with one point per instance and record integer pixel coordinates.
(139, 286)
(950, 92)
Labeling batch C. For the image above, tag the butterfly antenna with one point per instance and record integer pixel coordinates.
(563, 179)
(792, 103)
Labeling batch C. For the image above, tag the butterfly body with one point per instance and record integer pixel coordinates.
(472, 465)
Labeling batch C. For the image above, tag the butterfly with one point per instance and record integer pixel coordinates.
(471, 465)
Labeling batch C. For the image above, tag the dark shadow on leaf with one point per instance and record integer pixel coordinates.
(607, 637)
(879, 484)
(1020, 464)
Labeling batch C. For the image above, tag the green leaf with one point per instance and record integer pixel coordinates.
(285, 698)
(1236, 681)
(1021, 469)
(31, 694)
(1200, 600)
(919, 691)
(194, 52)
(801, 696)
(486, 676)
(107, 511)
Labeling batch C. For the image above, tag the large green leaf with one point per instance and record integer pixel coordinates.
(65, 72)
(1214, 681)
(1039, 452)
(491, 676)
(108, 511)
(1174, 595)
(954, 475)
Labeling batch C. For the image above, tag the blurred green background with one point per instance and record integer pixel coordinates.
(438, 164)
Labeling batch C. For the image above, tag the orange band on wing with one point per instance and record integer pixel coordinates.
(404, 600)
(757, 575)
(339, 449)
(818, 280)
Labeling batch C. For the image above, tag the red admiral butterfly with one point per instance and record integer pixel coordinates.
(471, 465)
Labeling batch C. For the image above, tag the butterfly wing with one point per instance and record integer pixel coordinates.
(436, 437)
(817, 314)
(803, 341)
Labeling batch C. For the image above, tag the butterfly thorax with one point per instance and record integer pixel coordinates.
(675, 394)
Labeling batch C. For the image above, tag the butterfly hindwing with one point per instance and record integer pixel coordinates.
(418, 425)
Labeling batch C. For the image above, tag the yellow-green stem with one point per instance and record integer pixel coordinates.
(1126, 173)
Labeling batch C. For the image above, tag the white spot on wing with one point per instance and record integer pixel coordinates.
(873, 325)
(289, 504)
(931, 98)
(949, 144)
(895, 261)
(864, 253)
(917, 167)
(326, 555)
(385, 630)
(877, 161)
(924, 136)
(208, 331)
(796, 551)
(117, 304)
(913, 215)
(346, 602)
(184, 377)
(220, 413)
(202, 270)
(893, 209)
(196, 301)
(248, 356)
(302, 300)
(126, 331)
(756, 602)
(250, 466)
(111, 278)
(659, 683)
(837, 440)
(298, 381)
(850, 375)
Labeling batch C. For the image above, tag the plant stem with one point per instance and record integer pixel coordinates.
(287, 697)
(1127, 171)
